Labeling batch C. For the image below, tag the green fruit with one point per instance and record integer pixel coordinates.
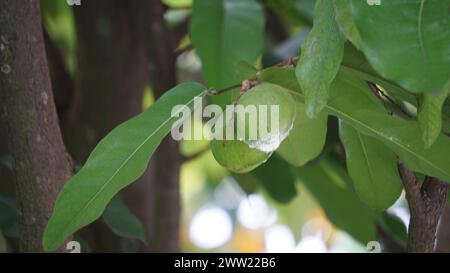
(269, 95)
(237, 156)
(246, 155)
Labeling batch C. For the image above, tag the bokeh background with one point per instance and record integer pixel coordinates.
(222, 212)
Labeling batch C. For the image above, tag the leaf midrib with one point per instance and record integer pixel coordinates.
(91, 200)
(364, 149)
(419, 29)
(338, 112)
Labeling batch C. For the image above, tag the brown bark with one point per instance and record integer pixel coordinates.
(443, 236)
(41, 164)
(426, 203)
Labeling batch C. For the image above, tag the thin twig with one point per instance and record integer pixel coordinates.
(286, 63)
(223, 90)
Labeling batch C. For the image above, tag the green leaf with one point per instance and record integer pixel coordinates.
(403, 137)
(244, 70)
(351, 101)
(407, 41)
(320, 58)
(372, 167)
(343, 10)
(430, 115)
(122, 221)
(119, 159)
(355, 63)
(306, 139)
(278, 179)
(329, 185)
(224, 32)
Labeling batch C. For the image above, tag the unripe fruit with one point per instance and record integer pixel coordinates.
(236, 156)
(268, 136)
(244, 156)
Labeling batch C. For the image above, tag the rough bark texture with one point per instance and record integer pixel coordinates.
(41, 164)
(426, 203)
(443, 236)
(111, 76)
(164, 237)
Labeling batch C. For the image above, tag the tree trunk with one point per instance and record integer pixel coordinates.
(111, 76)
(165, 194)
(41, 164)
(426, 203)
(443, 236)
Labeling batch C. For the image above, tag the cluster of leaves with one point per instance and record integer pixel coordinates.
(381, 71)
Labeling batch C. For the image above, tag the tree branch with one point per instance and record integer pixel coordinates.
(443, 234)
(41, 164)
(165, 212)
(426, 203)
(111, 76)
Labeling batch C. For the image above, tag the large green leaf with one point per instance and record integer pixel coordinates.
(306, 139)
(430, 115)
(119, 159)
(343, 9)
(122, 221)
(278, 179)
(329, 184)
(320, 57)
(407, 41)
(225, 32)
(351, 101)
(403, 137)
(355, 63)
(372, 167)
